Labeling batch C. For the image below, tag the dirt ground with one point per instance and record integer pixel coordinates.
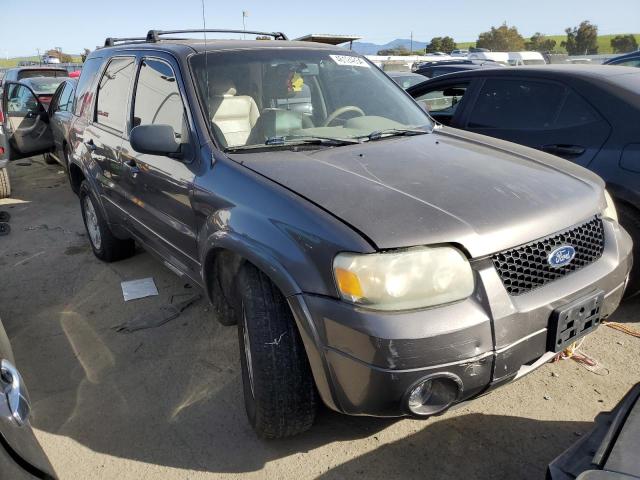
(166, 402)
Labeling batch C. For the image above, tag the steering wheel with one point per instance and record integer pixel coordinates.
(340, 111)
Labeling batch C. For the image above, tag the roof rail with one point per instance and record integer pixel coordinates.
(154, 35)
(111, 41)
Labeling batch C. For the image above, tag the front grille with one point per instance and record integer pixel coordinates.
(525, 268)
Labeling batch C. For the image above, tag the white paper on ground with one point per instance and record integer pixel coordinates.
(134, 289)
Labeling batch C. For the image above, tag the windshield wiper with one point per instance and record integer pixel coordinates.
(394, 132)
(309, 140)
(292, 141)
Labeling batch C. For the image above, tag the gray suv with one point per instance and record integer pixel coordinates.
(371, 259)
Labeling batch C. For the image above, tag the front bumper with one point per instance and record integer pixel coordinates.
(364, 361)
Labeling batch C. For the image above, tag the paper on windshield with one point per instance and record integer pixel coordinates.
(349, 61)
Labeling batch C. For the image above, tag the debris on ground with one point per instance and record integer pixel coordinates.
(574, 353)
(158, 316)
(622, 328)
(141, 288)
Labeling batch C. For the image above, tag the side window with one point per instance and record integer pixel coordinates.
(84, 96)
(629, 63)
(444, 99)
(157, 98)
(113, 93)
(574, 112)
(64, 100)
(517, 104)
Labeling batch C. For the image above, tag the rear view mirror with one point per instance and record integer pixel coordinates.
(453, 92)
(155, 139)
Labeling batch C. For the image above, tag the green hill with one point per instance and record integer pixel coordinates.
(604, 42)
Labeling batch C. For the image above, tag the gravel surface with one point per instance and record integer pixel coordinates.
(166, 402)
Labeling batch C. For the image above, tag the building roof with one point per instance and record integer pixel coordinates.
(328, 38)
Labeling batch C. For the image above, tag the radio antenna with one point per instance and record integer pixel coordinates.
(206, 58)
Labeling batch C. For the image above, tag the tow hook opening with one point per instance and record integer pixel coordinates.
(433, 394)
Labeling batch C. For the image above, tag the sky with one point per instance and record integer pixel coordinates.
(75, 24)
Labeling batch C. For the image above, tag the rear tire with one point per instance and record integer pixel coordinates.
(630, 219)
(5, 185)
(105, 245)
(279, 390)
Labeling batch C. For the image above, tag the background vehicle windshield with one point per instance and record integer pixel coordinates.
(45, 85)
(45, 72)
(253, 96)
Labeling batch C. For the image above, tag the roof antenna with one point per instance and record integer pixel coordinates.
(206, 56)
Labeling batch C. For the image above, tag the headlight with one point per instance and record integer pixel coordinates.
(610, 210)
(402, 280)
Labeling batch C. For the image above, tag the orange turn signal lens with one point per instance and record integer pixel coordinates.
(348, 283)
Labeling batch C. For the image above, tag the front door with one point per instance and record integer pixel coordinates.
(162, 186)
(26, 123)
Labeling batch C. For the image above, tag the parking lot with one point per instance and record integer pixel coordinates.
(167, 401)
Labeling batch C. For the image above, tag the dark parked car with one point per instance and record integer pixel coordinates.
(21, 456)
(390, 267)
(611, 451)
(60, 120)
(436, 69)
(406, 79)
(587, 114)
(627, 60)
(20, 73)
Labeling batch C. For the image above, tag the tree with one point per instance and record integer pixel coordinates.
(540, 43)
(624, 43)
(441, 44)
(582, 40)
(56, 53)
(501, 39)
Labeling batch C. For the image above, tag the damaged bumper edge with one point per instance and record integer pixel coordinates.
(366, 362)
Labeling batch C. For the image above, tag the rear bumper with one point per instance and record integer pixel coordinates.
(364, 361)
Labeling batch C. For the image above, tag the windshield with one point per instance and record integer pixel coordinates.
(253, 97)
(44, 86)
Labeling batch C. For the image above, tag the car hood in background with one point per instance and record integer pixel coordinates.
(445, 187)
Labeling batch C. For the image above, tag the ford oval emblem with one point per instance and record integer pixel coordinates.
(561, 256)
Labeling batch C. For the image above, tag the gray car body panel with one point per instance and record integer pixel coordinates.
(447, 187)
(289, 213)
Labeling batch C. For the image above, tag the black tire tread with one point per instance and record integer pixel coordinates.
(113, 248)
(5, 184)
(629, 218)
(286, 399)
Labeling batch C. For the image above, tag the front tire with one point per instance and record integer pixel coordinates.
(105, 245)
(279, 391)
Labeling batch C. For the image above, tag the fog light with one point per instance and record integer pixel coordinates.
(433, 394)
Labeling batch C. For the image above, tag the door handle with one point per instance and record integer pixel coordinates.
(564, 150)
(90, 145)
(132, 166)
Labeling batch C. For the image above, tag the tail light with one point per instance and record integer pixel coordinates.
(1, 116)
(45, 99)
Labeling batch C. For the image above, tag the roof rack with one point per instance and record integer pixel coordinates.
(111, 41)
(154, 35)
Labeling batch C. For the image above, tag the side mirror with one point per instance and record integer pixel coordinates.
(155, 139)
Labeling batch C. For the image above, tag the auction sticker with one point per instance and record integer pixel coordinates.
(349, 61)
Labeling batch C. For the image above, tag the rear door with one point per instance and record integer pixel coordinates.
(60, 115)
(538, 113)
(160, 186)
(25, 122)
(104, 134)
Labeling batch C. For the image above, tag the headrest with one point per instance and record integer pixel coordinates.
(223, 88)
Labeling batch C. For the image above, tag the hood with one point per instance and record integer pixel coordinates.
(446, 187)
